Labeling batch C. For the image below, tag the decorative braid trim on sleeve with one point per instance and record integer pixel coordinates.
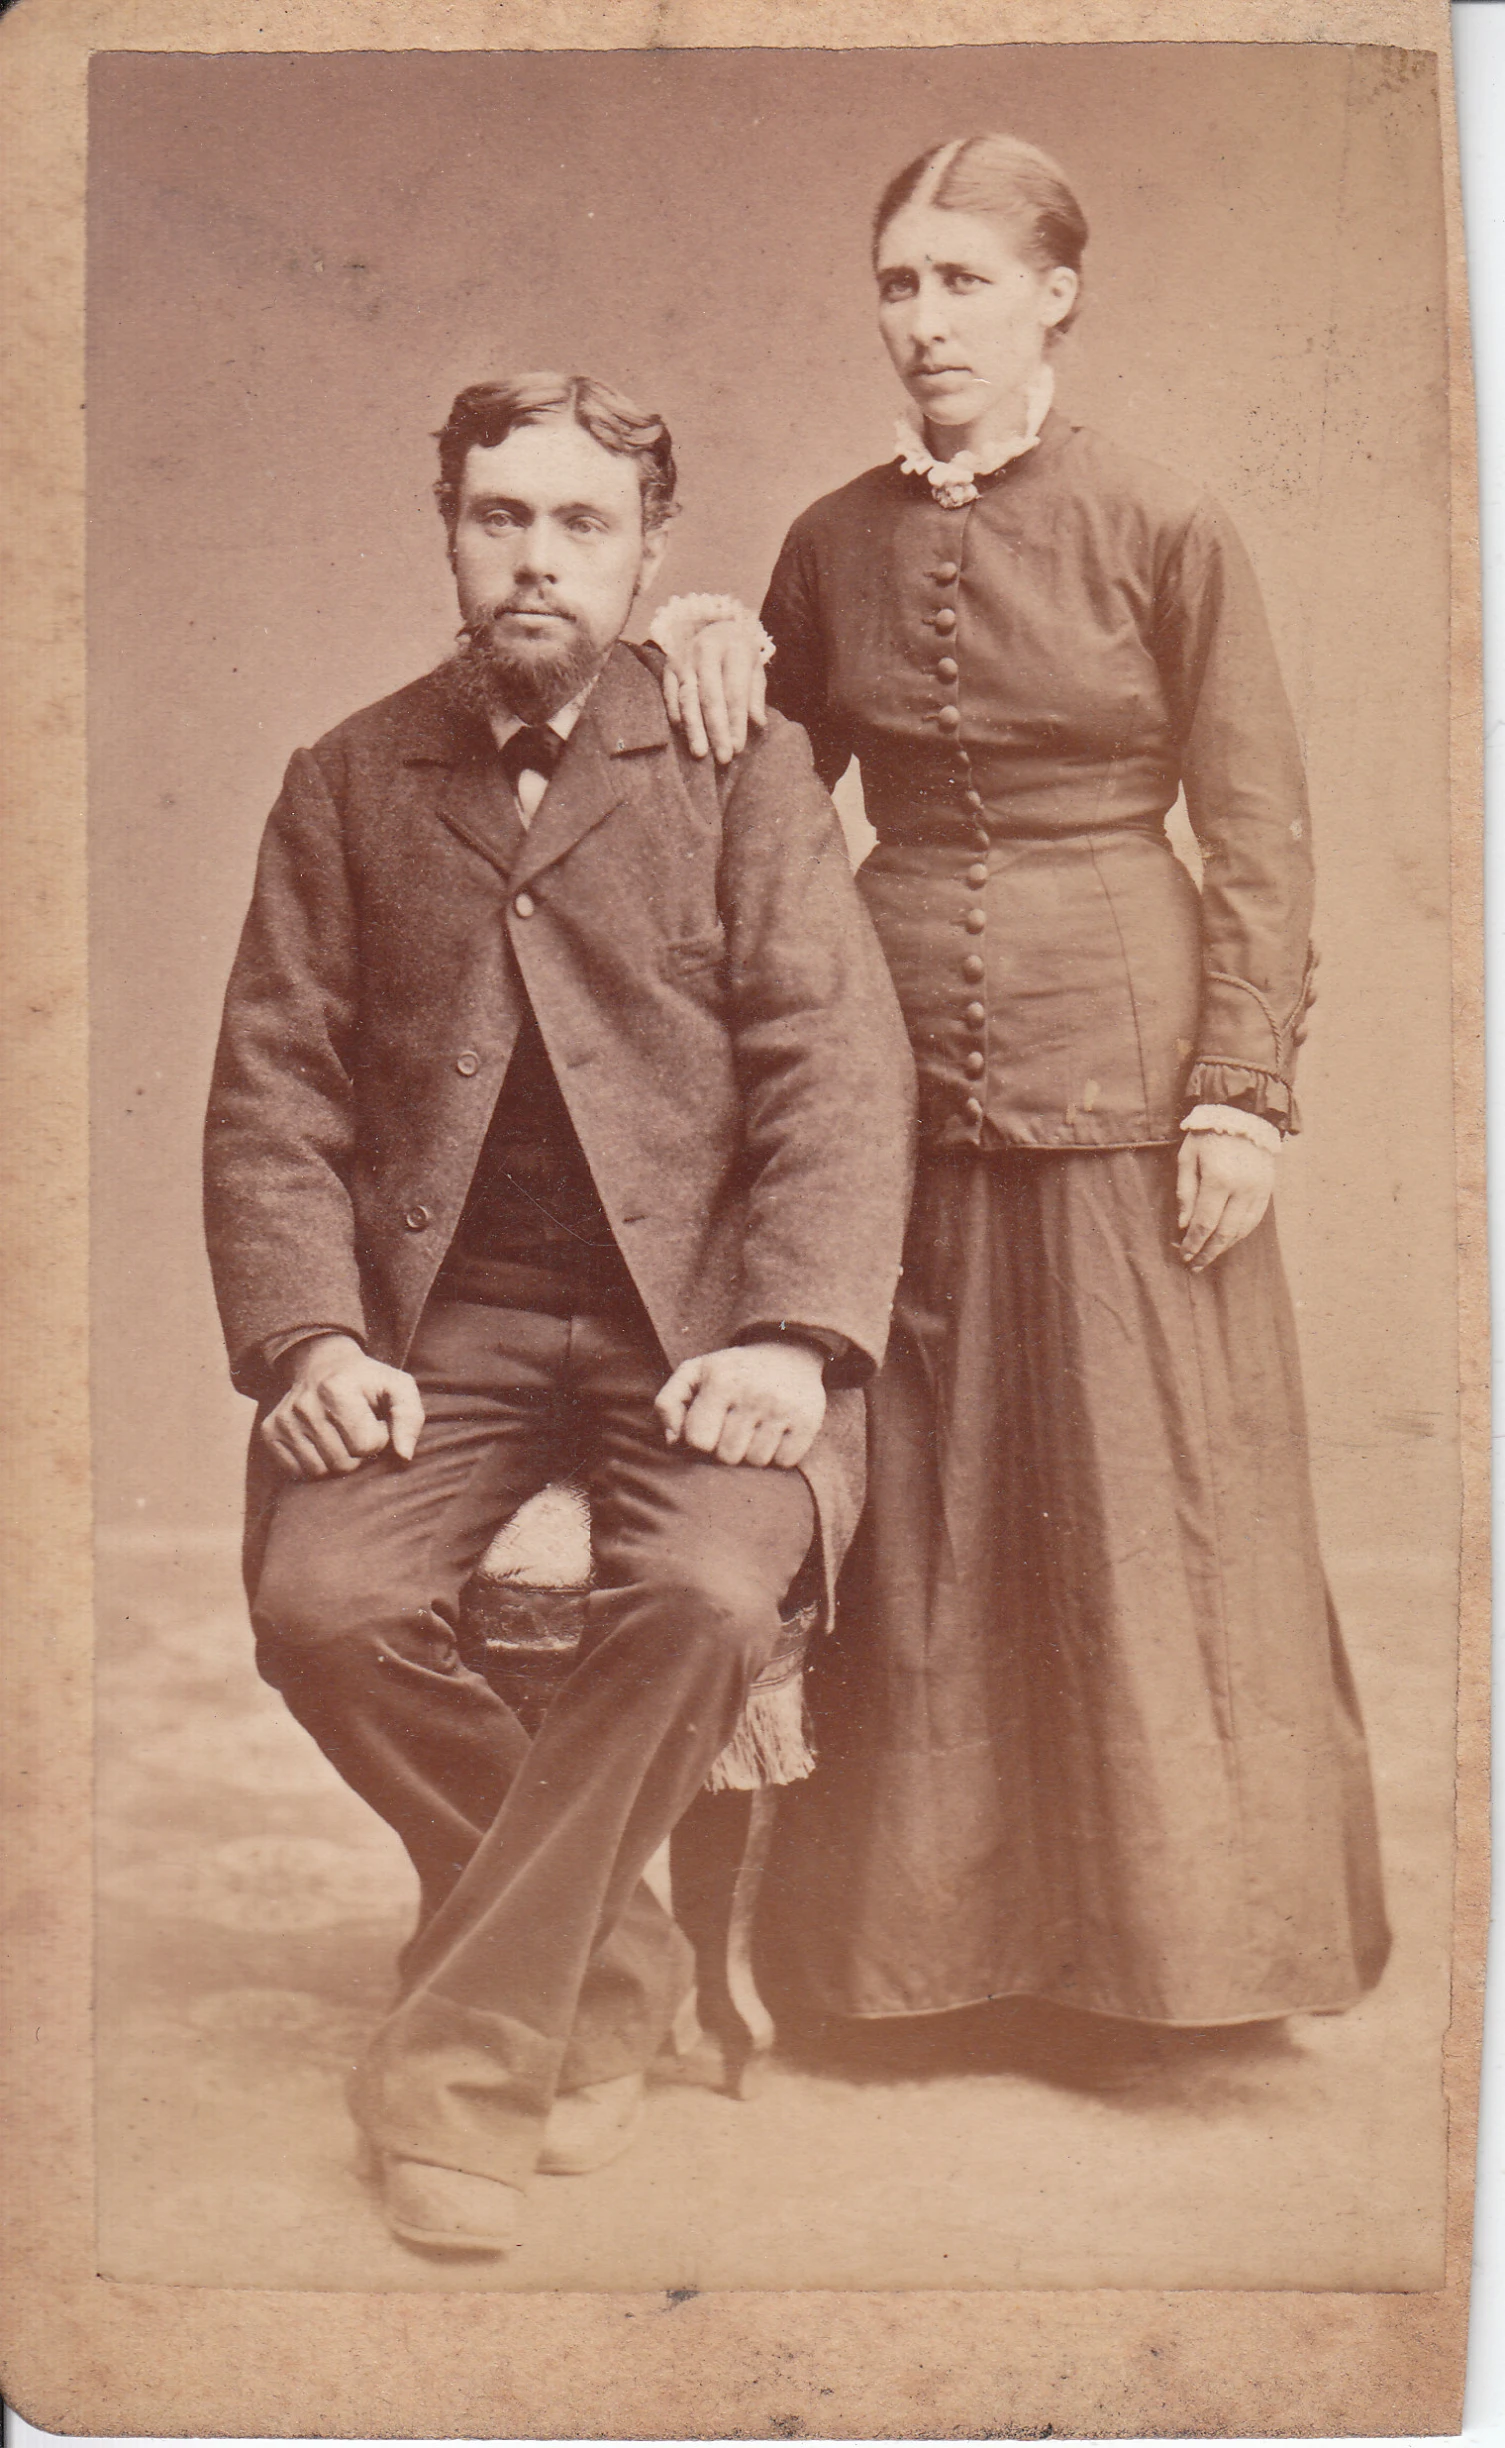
(1288, 1033)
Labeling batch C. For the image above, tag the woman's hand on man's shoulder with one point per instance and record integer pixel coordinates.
(715, 674)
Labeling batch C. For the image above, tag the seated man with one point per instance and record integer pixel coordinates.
(561, 1121)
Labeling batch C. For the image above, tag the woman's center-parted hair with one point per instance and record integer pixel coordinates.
(997, 178)
(486, 413)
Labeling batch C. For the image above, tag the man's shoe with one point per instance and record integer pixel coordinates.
(590, 2127)
(445, 2210)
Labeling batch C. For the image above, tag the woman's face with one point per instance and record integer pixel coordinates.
(964, 317)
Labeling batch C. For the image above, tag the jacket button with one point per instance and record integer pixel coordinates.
(945, 620)
(950, 718)
(975, 1065)
(972, 968)
(977, 876)
(975, 921)
(976, 1015)
(946, 571)
(972, 799)
(417, 1219)
(946, 668)
(467, 1064)
(525, 905)
(972, 1110)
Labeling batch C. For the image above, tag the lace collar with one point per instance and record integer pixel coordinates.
(954, 481)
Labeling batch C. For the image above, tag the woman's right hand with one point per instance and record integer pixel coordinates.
(715, 686)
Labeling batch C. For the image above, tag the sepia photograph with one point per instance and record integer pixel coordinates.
(746, 1439)
(732, 695)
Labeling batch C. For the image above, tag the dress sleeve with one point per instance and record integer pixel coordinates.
(799, 675)
(1246, 798)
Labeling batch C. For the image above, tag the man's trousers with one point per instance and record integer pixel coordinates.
(541, 1961)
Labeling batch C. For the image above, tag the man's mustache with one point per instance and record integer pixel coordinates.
(485, 617)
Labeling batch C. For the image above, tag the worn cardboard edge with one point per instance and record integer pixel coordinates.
(1464, 2042)
(84, 2354)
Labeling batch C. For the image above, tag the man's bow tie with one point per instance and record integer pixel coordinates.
(531, 750)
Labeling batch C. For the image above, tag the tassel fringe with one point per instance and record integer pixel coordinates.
(772, 1744)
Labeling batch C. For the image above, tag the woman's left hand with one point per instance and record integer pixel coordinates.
(716, 685)
(1223, 1187)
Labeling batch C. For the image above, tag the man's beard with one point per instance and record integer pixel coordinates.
(489, 677)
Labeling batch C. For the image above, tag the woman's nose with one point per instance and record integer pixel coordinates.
(930, 320)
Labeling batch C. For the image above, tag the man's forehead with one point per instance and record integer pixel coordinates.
(554, 458)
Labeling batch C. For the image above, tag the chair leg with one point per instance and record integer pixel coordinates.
(748, 2053)
(719, 1854)
(685, 2035)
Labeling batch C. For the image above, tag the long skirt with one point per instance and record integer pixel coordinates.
(1086, 1728)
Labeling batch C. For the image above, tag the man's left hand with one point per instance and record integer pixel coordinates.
(757, 1402)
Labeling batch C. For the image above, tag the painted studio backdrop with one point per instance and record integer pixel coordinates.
(295, 264)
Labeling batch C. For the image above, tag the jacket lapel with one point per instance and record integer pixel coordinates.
(476, 802)
(623, 713)
(464, 786)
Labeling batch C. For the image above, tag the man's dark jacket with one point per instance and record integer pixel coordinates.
(713, 1001)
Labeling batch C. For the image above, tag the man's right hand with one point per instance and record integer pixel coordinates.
(341, 1406)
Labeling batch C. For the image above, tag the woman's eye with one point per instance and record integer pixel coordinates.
(890, 291)
(965, 281)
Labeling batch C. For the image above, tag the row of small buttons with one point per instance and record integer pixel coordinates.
(975, 918)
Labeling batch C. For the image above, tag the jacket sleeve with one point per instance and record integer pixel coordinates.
(280, 1130)
(798, 678)
(1246, 798)
(823, 1062)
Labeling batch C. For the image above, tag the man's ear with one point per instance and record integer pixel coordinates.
(655, 545)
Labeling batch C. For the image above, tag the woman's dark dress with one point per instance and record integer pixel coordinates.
(1087, 1729)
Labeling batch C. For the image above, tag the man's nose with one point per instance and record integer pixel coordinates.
(536, 556)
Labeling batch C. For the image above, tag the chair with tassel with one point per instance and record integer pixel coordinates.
(522, 1619)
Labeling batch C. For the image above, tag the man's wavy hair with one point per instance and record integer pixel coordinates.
(487, 412)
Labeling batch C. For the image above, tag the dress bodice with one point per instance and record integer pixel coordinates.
(1027, 680)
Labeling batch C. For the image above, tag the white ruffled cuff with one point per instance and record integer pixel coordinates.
(1234, 1123)
(677, 623)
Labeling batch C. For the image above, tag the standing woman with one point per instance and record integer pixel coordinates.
(1087, 1729)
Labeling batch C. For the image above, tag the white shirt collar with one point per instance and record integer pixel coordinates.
(953, 481)
(562, 720)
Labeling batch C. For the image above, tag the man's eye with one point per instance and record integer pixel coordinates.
(966, 280)
(585, 527)
(495, 521)
(890, 291)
